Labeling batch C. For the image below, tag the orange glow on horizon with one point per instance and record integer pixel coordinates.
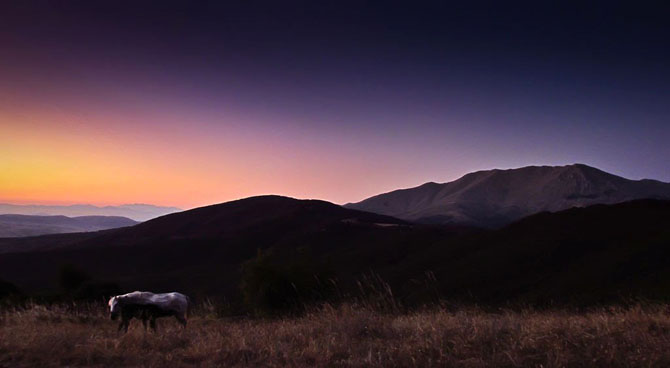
(52, 158)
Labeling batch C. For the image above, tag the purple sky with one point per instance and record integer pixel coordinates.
(332, 100)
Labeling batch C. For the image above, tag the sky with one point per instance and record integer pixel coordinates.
(193, 103)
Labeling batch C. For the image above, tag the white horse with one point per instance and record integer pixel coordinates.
(148, 306)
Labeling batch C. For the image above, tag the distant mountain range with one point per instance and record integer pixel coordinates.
(494, 198)
(137, 212)
(26, 225)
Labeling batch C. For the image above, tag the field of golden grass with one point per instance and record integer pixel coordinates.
(344, 336)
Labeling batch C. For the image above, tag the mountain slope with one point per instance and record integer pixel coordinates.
(202, 250)
(24, 225)
(497, 197)
(583, 255)
(137, 212)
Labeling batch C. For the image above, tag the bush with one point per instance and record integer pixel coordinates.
(71, 277)
(8, 289)
(78, 285)
(270, 289)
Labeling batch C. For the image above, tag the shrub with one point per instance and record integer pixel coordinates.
(8, 289)
(71, 277)
(270, 289)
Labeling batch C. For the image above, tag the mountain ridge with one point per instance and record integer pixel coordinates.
(135, 211)
(493, 198)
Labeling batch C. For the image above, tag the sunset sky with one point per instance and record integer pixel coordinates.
(193, 104)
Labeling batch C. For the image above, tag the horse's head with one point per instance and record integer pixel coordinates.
(114, 307)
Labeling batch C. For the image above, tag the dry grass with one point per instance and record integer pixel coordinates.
(343, 336)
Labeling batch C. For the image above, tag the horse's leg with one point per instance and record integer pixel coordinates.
(120, 326)
(153, 323)
(144, 322)
(126, 323)
(181, 319)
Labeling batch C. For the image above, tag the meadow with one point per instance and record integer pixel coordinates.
(342, 336)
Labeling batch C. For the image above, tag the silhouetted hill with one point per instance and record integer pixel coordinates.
(137, 212)
(494, 198)
(256, 214)
(202, 249)
(581, 255)
(24, 225)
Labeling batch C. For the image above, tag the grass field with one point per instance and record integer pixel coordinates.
(342, 336)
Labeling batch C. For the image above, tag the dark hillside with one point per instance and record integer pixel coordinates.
(578, 256)
(581, 255)
(202, 250)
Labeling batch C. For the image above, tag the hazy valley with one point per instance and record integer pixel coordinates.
(136, 212)
(26, 225)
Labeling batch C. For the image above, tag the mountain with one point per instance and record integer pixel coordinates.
(137, 212)
(584, 255)
(494, 198)
(596, 254)
(201, 250)
(25, 225)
